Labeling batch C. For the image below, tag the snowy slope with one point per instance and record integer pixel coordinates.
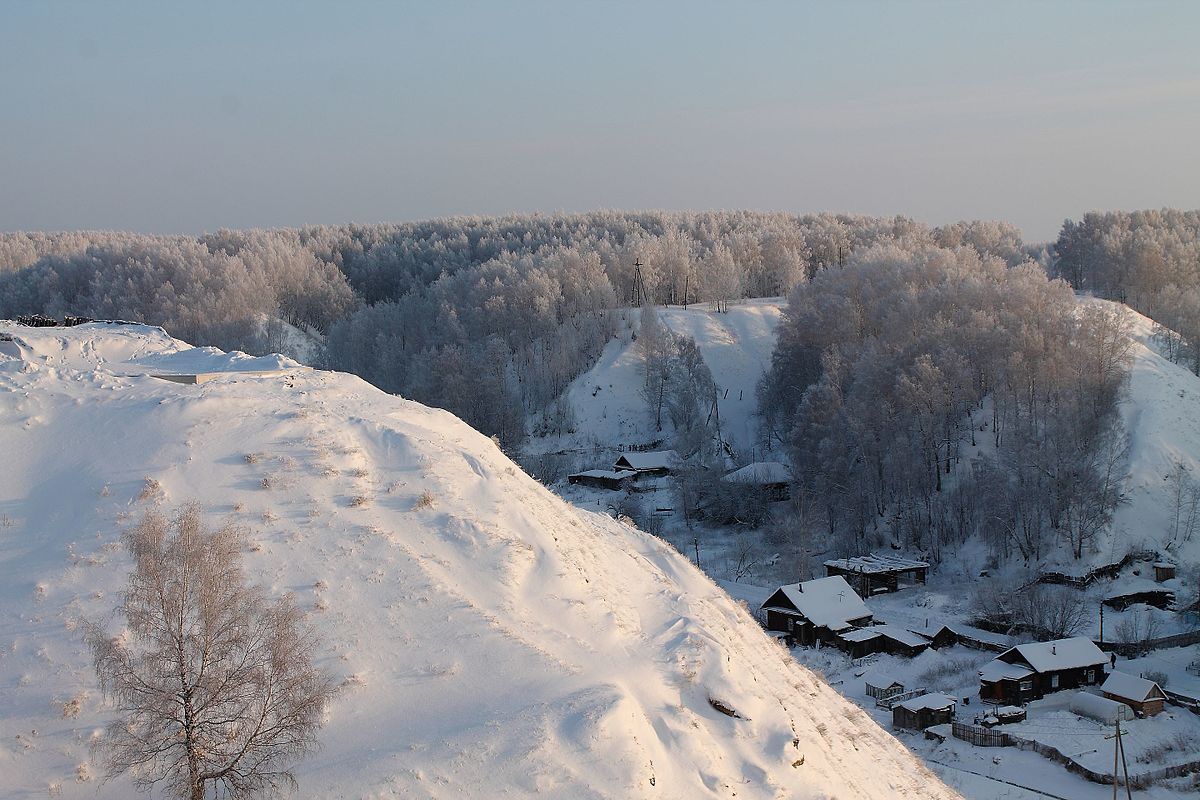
(736, 346)
(1162, 417)
(496, 642)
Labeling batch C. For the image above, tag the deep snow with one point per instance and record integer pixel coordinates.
(491, 640)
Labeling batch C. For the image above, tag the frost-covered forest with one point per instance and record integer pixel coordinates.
(1147, 259)
(926, 394)
(488, 317)
(928, 383)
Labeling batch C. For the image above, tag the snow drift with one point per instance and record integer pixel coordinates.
(490, 640)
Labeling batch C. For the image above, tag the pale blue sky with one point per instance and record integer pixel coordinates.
(173, 117)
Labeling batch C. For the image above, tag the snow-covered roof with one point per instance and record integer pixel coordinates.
(934, 701)
(826, 602)
(1099, 708)
(1060, 654)
(881, 680)
(1134, 585)
(994, 671)
(654, 459)
(1131, 687)
(871, 564)
(902, 635)
(894, 632)
(760, 473)
(610, 474)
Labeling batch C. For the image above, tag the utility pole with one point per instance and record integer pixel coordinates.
(639, 285)
(1119, 753)
(696, 543)
(1101, 620)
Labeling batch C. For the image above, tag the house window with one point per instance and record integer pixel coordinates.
(1026, 686)
(1091, 676)
(1054, 681)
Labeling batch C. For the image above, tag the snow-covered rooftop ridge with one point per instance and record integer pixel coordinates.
(996, 670)
(934, 701)
(490, 640)
(1060, 654)
(1131, 687)
(874, 563)
(826, 602)
(879, 679)
(1101, 709)
(648, 460)
(605, 473)
(760, 472)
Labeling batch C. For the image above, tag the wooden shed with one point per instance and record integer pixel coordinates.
(1163, 571)
(613, 480)
(1142, 695)
(873, 574)
(880, 685)
(919, 713)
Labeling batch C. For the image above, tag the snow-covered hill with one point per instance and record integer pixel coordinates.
(1162, 417)
(736, 346)
(490, 639)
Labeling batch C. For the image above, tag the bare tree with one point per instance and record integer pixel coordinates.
(213, 683)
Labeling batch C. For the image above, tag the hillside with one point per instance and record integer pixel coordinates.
(609, 410)
(490, 640)
(1162, 417)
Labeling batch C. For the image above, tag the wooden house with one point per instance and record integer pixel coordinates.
(937, 634)
(919, 713)
(613, 480)
(654, 463)
(893, 639)
(1033, 670)
(771, 478)
(874, 574)
(816, 610)
(1142, 695)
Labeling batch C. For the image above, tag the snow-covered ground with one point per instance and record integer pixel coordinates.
(1162, 416)
(1002, 772)
(490, 640)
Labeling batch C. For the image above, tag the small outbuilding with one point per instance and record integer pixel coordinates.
(1101, 709)
(653, 463)
(919, 713)
(891, 639)
(1003, 715)
(613, 480)
(874, 574)
(769, 477)
(1163, 571)
(1144, 696)
(880, 685)
(816, 610)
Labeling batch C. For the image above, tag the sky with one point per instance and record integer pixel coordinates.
(185, 118)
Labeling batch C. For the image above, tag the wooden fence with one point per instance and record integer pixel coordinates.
(899, 697)
(979, 735)
(1084, 580)
(1130, 649)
